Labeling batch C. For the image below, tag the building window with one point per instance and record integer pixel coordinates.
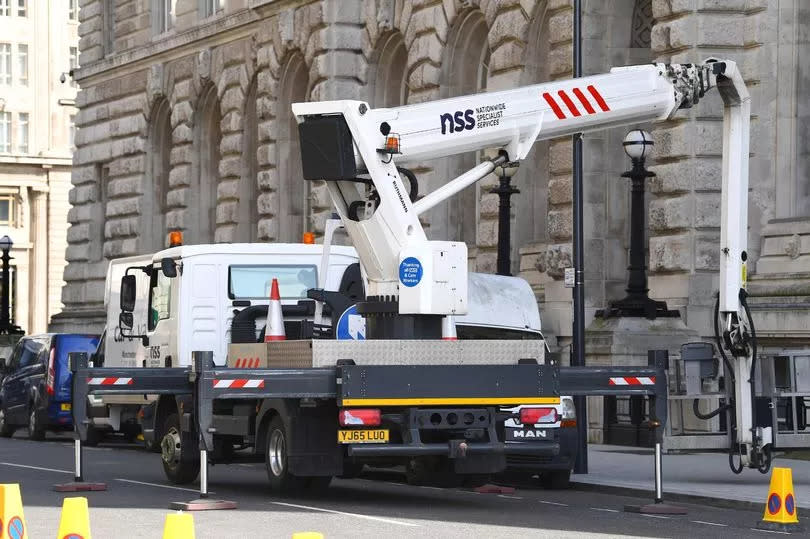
(210, 7)
(22, 10)
(73, 9)
(22, 64)
(5, 63)
(72, 132)
(5, 11)
(108, 29)
(7, 210)
(22, 133)
(74, 63)
(163, 15)
(5, 132)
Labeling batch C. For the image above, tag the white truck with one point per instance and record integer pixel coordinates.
(320, 407)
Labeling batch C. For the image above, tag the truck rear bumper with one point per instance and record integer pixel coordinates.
(451, 450)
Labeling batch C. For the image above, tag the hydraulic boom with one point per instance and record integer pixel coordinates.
(360, 151)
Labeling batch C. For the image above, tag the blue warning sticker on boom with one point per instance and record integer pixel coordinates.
(410, 271)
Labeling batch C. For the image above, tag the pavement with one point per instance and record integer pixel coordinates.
(703, 478)
(377, 504)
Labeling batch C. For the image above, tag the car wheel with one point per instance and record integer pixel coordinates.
(6, 430)
(556, 479)
(278, 471)
(181, 459)
(36, 427)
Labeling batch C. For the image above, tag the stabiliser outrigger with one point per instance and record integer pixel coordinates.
(418, 384)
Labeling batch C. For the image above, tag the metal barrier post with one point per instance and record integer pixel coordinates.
(77, 361)
(202, 363)
(659, 489)
(658, 403)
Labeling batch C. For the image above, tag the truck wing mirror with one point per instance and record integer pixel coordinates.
(128, 294)
(169, 267)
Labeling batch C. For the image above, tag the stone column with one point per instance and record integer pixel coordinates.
(38, 295)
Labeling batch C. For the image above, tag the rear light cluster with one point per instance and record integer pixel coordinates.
(355, 417)
(533, 416)
(50, 380)
(569, 413)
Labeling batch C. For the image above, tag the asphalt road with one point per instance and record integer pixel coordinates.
(377, 504)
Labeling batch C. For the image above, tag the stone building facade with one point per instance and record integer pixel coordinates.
(185, 123)
(38, 47)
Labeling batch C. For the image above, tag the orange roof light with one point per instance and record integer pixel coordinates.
(175, 238)
(309, 238)
(392, 143)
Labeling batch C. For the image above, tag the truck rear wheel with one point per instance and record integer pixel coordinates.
(278, 471)
(556, 479)
(181, 459)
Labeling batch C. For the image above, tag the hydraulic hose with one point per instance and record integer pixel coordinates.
(765, 464)
(696, 410)
(730, 381)
(413, 193)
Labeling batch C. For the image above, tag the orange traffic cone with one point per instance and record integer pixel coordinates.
(449, 328)
(781, 511)
(274, 330)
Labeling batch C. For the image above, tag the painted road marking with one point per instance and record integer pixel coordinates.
(158, 485)
(40, 468)
(709, 523)
(510, 497)
(553, 503)
(771, 531)
(356, 515)
(605, 510)
(654, 516)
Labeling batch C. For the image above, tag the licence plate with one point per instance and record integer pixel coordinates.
(65, 406)
(375, 436)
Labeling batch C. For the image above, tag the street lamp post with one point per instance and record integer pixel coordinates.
(505, 192)
(6, 327)
(638, 145)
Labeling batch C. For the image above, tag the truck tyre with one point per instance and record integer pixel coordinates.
(351, 470)
(556, 479)
(36, 427)
(181, 459)
(6, 430)
(278, 471)
(94, 437)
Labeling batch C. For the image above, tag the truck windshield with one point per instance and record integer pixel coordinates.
(253, 282)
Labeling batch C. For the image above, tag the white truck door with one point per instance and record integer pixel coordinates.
(162, 319)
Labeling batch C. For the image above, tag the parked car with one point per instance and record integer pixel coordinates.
(36, 388)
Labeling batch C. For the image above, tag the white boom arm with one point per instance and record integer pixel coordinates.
(357, 149)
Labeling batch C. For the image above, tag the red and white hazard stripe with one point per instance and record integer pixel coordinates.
(238, 383)
(109, 381)
(589, 103)
(632, 381)
(246, 363)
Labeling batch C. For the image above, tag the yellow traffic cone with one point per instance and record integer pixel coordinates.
(307, 535)
(179, 525)
(11, 513)
(75, 520)
(781, 511)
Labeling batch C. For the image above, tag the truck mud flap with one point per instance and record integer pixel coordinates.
(430, 385)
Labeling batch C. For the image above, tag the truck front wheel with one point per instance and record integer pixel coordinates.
(278, 471)
(181, 459)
